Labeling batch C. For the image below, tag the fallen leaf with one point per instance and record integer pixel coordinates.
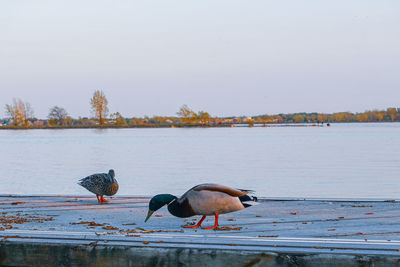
(89, 223)
(18, 203)
(145, 242)
(92, 244)
(9, 236)
(109, 227)
(227, 228)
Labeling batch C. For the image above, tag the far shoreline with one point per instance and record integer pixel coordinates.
(242, 125)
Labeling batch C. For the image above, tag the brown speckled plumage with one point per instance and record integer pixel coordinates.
(101, 183)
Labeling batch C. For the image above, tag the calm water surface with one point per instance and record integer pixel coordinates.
(344, 160)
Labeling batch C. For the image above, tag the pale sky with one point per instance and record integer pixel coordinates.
(226, 57)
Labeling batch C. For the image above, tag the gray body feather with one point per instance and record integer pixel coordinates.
(209, 199)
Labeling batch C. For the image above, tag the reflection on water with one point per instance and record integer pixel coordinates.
(344, 160)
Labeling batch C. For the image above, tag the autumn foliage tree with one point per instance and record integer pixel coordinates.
(19, 112)
(188, 115)
(119, 120)
(99, 105)
(57, 115)
(204, 117)
(392, 113)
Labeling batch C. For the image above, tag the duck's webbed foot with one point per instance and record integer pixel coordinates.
(208, 228)
(191, 226)
(196, 225)
(215, 223)
(102, 200)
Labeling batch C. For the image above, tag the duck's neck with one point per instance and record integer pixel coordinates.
(180, 209)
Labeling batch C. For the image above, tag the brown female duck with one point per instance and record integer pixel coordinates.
(205, 200)
(101, 184)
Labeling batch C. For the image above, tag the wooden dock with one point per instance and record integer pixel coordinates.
(78, 231)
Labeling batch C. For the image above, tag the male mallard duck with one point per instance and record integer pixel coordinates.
(203, 199)
(101, 184)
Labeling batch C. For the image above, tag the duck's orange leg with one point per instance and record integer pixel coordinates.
(98, 199)
(103, 200)
(215, 223)
(196, 225)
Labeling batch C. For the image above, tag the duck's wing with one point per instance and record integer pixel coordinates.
(94, 178)
(209, 199)
(95, 183)
(221, 188)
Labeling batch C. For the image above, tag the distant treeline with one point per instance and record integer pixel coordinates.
(20, 115)
(388, 115)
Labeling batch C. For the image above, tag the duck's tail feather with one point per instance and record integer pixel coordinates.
(82, 182)
(246, 190)
(248, 201)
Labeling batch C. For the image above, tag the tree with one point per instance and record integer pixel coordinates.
(322, 117)
(392, 113)
(278, 119)
(380, 115)
(204, 117)
(19, 112)
(362, 117)
(187, 114)
(57, 115)
(119, 120)
(250, 121)
(99, 104)
(268, 118)
(298, 118)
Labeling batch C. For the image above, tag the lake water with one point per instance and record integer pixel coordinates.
(341, 161)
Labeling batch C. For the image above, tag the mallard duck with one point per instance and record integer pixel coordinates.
(205, 200)
(101, 184)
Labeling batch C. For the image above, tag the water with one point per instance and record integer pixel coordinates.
(341, 161)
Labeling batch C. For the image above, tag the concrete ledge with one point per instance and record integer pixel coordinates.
(76, 231)
(42, 254)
